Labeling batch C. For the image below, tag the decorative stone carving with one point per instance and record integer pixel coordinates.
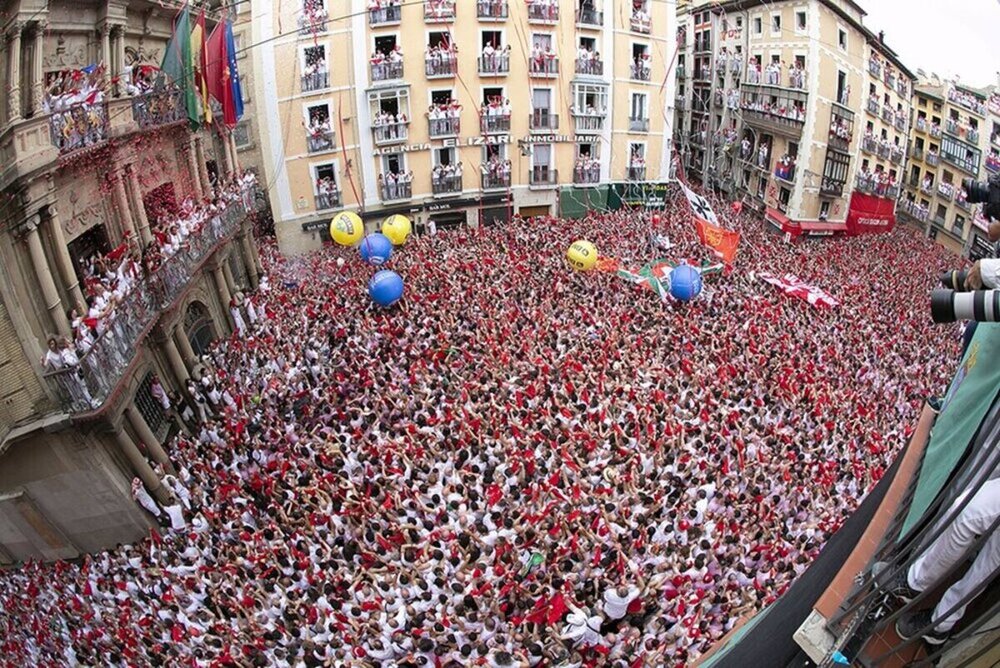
(135, 55)
(69, 53)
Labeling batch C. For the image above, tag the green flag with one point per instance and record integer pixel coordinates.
(179, 67)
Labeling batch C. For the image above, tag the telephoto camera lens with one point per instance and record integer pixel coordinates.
(978, 305)
(976, 191)
(954, 280)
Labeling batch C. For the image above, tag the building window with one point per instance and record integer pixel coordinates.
(589, 99)
(824, 210)
(241, 135)
(775, 24)
(800, 21)
(758, 25)
(842, 38)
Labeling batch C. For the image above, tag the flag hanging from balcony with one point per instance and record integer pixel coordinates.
(199, 64)
(219, 78)
(724, 242)
(234, 71)
(177, 65)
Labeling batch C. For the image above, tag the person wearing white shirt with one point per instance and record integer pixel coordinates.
(582, 629)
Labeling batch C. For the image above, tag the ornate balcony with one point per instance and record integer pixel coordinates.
(538, 13)
(638, 125)
(385, 16)
(158, 109)
(391, 133)
(387, 71)
(640, 24)
(543, 177)
(496, 65)
(887, 115)
(86, 387)
(499, 124)
(80, 126)
(443, 127)
(590, 67)
(392, 192)
(446, 185)
(872, 106)
(495, 181)
(590, 17)
(315, 81)
(543, 67)
(588, 123)
(439, 11)
(438, 68)
(543, 120)
(491, 10)
(327, 200)
(319, 141)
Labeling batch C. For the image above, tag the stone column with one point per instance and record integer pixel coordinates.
(142, 468)
(14, 72)
(65, 262)
(121, 202)
(227, 157)
(248, 262)
(135, 191)
(105, 32)
(227, 271)
(206, 185)
(37, 76)
(44, 275)
(184, 345)
(193, 167)
(118, 53)
(224, 296)
(148, 438)
(176, 363)
(235, 152)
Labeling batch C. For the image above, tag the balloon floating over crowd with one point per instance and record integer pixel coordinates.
(347, 229)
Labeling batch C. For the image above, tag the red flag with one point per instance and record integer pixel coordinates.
(217, 66)
(724, 242)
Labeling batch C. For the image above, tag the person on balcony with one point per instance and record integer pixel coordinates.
(762, 156)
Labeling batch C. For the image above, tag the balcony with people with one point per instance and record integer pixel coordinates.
(395, 186)
(961, 155)
(915, 210)
(872, 106)
(157, 109)
(444, 119)
(933, 157)
(900, 121)
(495, 174)
(586, 170)
(386, 64)
(543, 11)
(319, 131)
(935, 129)
(637, 164)
(314, 17)
(841, 131)
(945, 191)
(382, 13)
(390, 128)
(967, 100)
(491, 10)
(446, 179)
(776, 108)
(439, 11)
(640, 69)
(875, 66)
(441, 60)
(589, 63)
(494, 116)
(588, 15)
(831, 187)
(315, 73)
(784, 169)
(962, 199)
(927, 184)
(897, 154)
(494, 61)
(890, 77)
(543, 62)
(993, 161)
(920, 124)
(640, 22)
(888, 115)
(127, 290)
(327, 195)
(879, 183)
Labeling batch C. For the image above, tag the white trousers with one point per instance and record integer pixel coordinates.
(974, 520)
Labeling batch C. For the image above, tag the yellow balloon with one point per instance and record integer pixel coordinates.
(346, 228)
(582, 255)
(397, 228)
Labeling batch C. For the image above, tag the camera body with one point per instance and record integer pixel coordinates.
(988, 194)
(954, 280)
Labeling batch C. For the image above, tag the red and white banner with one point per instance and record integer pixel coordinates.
(870, 215)
(724, 242)
(791, 285)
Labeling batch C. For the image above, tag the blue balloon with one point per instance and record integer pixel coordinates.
(385, 287)
(685, 283)
(376, 249)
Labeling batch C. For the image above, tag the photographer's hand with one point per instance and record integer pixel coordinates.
(974, 280)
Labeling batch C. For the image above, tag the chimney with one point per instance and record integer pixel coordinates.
(881, 37)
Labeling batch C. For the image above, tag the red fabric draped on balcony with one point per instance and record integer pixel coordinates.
(870, 214)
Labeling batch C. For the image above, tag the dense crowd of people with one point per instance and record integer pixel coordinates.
(517, 466)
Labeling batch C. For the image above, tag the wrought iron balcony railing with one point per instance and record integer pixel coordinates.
(495, 65)
(315, 81)
(80, 126)
(542, 176)
(396, 191)
(391, 133)
(156, 109)
(494, 124)
(446, 185)
(542, 119)
(384, 16)
(327, 200)
(387, 71)
(319, 141)
(443, 127)
(491, 10)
